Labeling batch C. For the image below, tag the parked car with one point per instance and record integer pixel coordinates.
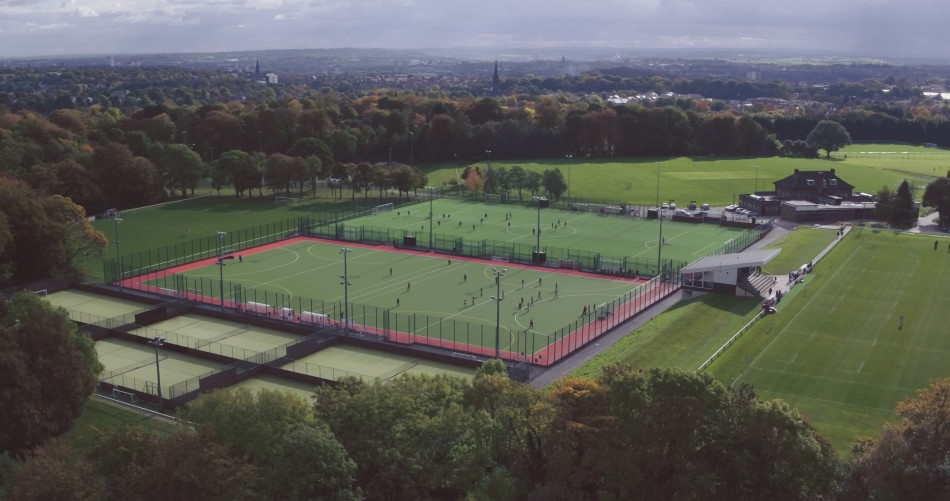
(665, 206)
(680, 212)
(704, 207)
(692, 205)
(731, 208)
(672, 205)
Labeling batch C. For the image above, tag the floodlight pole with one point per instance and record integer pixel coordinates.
(412, 147)
(346, 290)
(756, 180)
(537, 200)
(570, 159)
(158, 342)
(431, 190)
(497, 298)
(118, 255)
(221, 236)
(659, 211)
(488, 158)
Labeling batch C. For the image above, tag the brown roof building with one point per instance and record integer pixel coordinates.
(814, 186)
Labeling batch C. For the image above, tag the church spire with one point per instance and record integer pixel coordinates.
(496, 82)
(257, 67)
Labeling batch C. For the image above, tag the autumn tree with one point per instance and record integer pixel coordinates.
(46, 234)
(554, 184)
(828, 135)
(903, 213)
(937, 195)
(50, 369)
(297, 456)
(410, 436)
(907, 460)
(181, 168)
(473, 180)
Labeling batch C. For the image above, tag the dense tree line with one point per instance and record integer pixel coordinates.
(658, 434)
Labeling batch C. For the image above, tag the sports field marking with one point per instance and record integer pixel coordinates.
(830, 281)
(836, 380)
(784, 394)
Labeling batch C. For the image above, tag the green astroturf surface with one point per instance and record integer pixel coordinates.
(428, 289)
(612, 236)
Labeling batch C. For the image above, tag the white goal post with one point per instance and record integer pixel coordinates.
(279, 200)
(379, 209)
(492, 197)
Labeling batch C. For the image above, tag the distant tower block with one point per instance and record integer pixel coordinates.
(257, 67)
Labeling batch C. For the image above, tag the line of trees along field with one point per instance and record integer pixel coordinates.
(658, 434)
(165, 132)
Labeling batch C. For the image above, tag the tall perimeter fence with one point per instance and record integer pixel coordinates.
(385, 324)
(148, 269)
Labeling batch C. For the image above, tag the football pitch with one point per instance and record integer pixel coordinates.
(838, 348)
(614, 236)
(438, 297)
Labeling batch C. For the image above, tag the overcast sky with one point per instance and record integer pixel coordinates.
(883, 28)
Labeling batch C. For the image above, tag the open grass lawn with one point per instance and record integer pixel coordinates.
(683, 337)
(799, 246)
(836, 349)
(428, 296)
(719, 181)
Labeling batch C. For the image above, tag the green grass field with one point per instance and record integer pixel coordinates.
(683, 337)
(719, 181)
(429, 296)
(836, 349)
(799, 246)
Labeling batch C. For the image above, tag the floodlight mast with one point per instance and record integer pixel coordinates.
(497, 298)
(221, 259)
(118, 255)
(346, 291)
(431, 190)
(158, 342)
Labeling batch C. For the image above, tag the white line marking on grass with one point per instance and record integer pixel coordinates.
(836, 380)
(825, 400)
(831, 280)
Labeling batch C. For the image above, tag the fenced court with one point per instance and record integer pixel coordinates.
(411, 298)
(339, 361)
(132, 365)
(231, 339)
(839, 351)
(590, 238)
(89, 307)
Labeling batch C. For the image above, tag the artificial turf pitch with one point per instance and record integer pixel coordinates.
(837, 349)
(613, 236)
(440, 297)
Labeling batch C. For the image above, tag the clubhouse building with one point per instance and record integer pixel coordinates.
(811, 196)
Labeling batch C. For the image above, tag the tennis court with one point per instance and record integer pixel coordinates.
(343, 360)
(132, 365)
(232, 339)
(90, 307)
